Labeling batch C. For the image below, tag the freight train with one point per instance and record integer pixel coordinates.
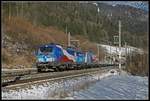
(57, 58)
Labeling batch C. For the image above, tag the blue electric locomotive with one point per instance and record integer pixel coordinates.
(54, 57)
(48, 56)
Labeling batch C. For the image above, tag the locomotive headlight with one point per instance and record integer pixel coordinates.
(41, 60)
(50, 59)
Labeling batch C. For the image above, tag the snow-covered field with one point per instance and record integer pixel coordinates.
(96, 86)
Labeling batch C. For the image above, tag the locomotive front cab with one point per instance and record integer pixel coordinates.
(45, 54)
(48, 55)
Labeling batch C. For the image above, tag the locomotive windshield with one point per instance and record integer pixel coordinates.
(46, 49)
(71, 51)
(80, 54)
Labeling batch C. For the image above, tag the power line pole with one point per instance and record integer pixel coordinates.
(67, 36)
(110, 52)
(66, 30)
(69, 39)
(98, 51)
(119, 44)
(126, 54)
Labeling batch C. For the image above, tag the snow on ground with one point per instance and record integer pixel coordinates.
(97, 7)
(109, 85)
(115, 49)
(117, 87)
(53, 89)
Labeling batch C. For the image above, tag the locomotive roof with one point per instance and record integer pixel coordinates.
(51, 44)
(72, 48)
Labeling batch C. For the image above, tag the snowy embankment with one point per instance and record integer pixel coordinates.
(109, 85)
(53, 89)
(117, 87)
(115, 49)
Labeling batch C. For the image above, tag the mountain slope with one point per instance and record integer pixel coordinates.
(29, 24)
(20, 38)
(83, 19)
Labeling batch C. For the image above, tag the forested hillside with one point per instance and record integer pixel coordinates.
(83, 19)
(25, 25)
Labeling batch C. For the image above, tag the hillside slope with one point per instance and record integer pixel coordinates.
(20, 38)
(26, 25)
(84, 19)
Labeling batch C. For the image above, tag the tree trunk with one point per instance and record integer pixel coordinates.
(9, 11)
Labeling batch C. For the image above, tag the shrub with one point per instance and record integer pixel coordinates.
(137, 64)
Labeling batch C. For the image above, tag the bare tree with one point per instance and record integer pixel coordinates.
(17, 8)
(22, 8)
(9, 11)
(35, 14)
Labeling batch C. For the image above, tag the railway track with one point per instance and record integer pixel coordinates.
(27, 71)
(43, 77)
(15, 72)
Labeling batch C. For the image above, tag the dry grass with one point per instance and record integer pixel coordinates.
(10, 60)
(22, 31)
(6, 57)
(138, 64)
